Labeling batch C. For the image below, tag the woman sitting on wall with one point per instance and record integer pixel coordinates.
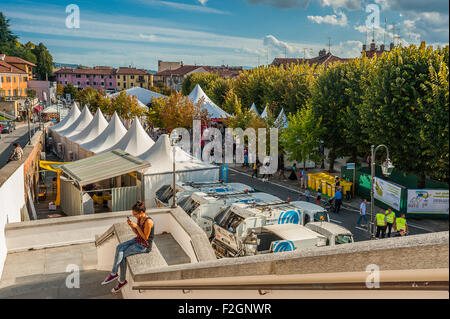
(142, 243)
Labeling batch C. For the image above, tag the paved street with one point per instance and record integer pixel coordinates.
(20, 135)
(347, 216)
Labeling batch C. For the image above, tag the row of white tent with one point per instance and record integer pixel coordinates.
(81, 135)
(281, 118)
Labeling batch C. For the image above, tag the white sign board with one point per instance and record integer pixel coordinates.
(427, 201)
(387, 193)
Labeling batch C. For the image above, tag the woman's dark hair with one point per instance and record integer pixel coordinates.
(139, 207)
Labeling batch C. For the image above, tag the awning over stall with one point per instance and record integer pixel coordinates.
(103, 166)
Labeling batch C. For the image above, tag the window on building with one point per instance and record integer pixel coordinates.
(132, 84)
(78, 76)
(132, 77)
(14, 79)
(65, 75)
(65, 82)
(87, 83)
(87, 76)
(124, 77)
(8, 79)
(118, 83)
(1, 79)
(110, 77)
(102, 76)
(110, 83)
(78, 83)
(103, 83)
(94, 83)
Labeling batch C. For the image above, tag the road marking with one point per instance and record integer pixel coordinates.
(419, 227)
(360, 228)
(336, 221)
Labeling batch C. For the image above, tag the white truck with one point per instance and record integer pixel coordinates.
(335, 234)
(164, 195)
(241, 232)
(203, 208)
(311, 212)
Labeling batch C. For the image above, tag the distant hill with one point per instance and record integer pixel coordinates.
(67, 65)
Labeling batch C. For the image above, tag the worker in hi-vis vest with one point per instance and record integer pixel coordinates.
(381, 224)
(390, 219)
(400, 225)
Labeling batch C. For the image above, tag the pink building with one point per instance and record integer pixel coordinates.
(99, 77)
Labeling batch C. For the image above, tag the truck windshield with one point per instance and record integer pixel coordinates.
(164, 193)
(343, 239)
(188, 205)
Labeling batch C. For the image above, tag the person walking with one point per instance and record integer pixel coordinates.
(381, 224)
(390, 219)
(319, 195)
(304, 178)
(400, 225)
(337, 200)
(142, 243)
(293, 176)
(307, 194)
(362, 213)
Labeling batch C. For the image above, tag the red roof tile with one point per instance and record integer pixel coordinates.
(8, 68)
(14, 59)
(132, 71)
(185, 69)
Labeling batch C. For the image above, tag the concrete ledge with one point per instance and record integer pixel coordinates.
(427, 251)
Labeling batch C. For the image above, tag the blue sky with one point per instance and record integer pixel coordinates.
(214, 32)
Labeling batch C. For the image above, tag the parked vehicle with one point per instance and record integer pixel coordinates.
(204, 208)
(7, 126)
(239, 232)
(312, 212)
(165, 194)
(335, 234)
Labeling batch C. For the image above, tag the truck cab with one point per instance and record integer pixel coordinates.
(242, 232)
(335, 234)
(311, 212)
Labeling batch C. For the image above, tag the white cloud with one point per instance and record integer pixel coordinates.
(347, 4)
(181, 6)
(203, 2)
(340, 19)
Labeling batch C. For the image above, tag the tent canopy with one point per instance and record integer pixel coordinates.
(282, 121)
(110, 136)
(74, 113)
(94, 129)
(213, 110)
(103, 166)
(136, 141)
(264, 114)
(50, 109)
(161, 158)
(144, 96)
(253, 108)
(79, 124)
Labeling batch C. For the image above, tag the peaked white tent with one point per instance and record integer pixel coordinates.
(143, 95)
(135, 142)
(160, 172)
(73, 115)
(282, 121)
(110, 136)
(77, 126)
(264, 113)
(68, 120)
(253, 108)
(94, 129)
(214, 111)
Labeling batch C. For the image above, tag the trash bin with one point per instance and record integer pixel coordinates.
(329, 187)
(346, 187)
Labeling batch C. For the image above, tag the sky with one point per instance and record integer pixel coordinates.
(248, 33)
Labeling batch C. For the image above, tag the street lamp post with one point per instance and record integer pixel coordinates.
(27, 105)
(173, 139)
(386, 169)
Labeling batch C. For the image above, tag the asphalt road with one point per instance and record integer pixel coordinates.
(19, 135)
(346, 218)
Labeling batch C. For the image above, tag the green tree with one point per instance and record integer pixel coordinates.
(72, 90)
(301, 138)
(44, 67)
(126, 106)
(405, 106)
(6, 35)
(31, 93)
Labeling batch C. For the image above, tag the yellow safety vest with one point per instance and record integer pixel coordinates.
(380, 220)
(401, 223)
(390, 217)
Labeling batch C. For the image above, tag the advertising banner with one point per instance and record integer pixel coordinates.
(427, 201)
(387, 193)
